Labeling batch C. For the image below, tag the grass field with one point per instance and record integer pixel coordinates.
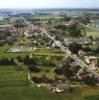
(34, 93)
(11, 55)
(49, 52)
(4, 48)
(90, 93)
(14, 86)
(92, 31)
(46, 17)
(9, 76)
(48, 71)
(38, 52)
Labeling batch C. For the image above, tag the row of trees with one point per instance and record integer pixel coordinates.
(37, 60)
(19, 24)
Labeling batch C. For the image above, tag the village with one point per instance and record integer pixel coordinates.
(52, 51)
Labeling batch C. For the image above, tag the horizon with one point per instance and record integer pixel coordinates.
(47, 8)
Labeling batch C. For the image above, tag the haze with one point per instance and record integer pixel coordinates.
(49, 3)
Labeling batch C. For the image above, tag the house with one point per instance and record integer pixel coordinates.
(87, 59)
(56, 44)
(91, 61)
(58, 88)
(81, 53)
(81, 40)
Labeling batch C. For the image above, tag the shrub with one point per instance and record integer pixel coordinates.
(34, 69)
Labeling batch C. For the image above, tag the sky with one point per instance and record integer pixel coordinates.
(49, 3)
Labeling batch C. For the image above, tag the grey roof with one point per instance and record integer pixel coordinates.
(63, 86)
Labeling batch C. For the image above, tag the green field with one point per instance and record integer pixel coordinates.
(4, 48)
(49, 52)
(12, 55)
(92, 31)
(14, 86)
(46, 17)
(38, 52)
(48, 71)
(34, 93)
(9, 76)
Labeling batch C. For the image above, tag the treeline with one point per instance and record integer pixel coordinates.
(35, 60)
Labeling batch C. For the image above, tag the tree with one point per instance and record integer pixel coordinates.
(19, 58)
(65, 18)
(6, 61)
(67, 72)
(89, 80)
(97, 50)
(34, 69)
(18, 64)
(76, 29)
(58, 71)
(27, 60)
(75, 47)
(19, 23)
